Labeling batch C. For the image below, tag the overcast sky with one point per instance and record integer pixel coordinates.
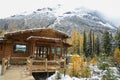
(12, 7)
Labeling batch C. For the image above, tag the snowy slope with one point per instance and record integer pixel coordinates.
(64, 20)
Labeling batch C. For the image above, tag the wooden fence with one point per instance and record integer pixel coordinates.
(18, 60)
(5, 65)
(6, 62)
(45, 65)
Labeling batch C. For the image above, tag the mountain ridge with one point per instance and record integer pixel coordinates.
(80, 19)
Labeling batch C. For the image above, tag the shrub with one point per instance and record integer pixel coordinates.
(109, 75)
(78, 67)
(103, 65)
(85, 72)
(104, 62)
(117, 55)
(93, 61)
(58, 75)
(117, 58)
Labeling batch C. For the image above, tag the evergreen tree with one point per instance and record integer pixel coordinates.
(111, 43)
(89, 46)
(84, 44)
(106, 43)
(117, 38)
(78, 45)
(97, 46)
(93, 42)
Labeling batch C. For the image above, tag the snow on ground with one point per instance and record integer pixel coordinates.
(67, 77)
(96, 74)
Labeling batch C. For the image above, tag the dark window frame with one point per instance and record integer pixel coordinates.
(20, 52)
(58, 50)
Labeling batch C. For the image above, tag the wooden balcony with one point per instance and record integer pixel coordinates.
(45, 65)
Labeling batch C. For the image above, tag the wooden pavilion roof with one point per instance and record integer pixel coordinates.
(47, 32)
(38, 38)
(50, 40)
(1, 39)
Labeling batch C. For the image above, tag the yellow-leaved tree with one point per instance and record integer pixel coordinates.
(117, 55)
(78, 67)
(76, 40)
(93, 61)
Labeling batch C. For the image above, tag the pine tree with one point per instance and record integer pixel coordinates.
(84, 44)
(106, 43)
(93, 43)
(97, 46)
(118, 38)
(111, 50)
(89, 46)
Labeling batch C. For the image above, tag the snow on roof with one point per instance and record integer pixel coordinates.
(1, 38)
(35, 29)
(26, 30)
(49, 39)
(38, 37)
(62, 32)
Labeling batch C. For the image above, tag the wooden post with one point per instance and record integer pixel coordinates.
(37, 51)
(46, 52)
(55, 53)
(40, 51)
(46, 66)
(66, 52)
(50, 54)
(30, 66)
(64, 67)
(3, 66)
(61, 52)
(33, 47)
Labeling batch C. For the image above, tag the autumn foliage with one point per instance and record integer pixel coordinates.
(78, 67)
(76, 40)
(93, 61)
(117, 55)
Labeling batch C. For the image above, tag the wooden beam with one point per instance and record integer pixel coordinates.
(55, 53)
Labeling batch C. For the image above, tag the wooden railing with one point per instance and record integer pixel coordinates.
(5, 65)
(18, 60)
(45, 65)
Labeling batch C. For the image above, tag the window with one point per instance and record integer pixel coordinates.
(20, 48)
(53, 50)
(58, 50)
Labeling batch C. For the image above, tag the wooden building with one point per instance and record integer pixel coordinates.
(1, 47)
(44, 50)
(43, 43)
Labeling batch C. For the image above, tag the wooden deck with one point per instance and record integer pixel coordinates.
(16, 72)
(46, 65)
(37, 65)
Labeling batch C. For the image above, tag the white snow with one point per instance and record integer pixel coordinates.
(107, 24)
(67, 77)
(96, 74)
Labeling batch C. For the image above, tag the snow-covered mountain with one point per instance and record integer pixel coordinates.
(79, 18)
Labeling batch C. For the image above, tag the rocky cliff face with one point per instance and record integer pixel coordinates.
(80, 19)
